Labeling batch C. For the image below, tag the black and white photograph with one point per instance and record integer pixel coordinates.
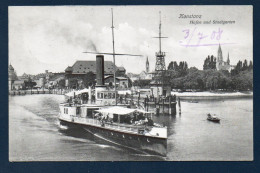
(130, 83)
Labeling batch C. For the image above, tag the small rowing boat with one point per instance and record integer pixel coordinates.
(213, 118)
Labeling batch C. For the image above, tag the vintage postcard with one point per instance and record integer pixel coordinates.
(130, 83)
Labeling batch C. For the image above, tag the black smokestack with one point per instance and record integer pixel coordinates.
(100, 69)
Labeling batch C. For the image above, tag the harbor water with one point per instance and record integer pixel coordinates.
(35, 133)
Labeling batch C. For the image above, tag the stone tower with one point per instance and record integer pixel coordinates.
(147, 65)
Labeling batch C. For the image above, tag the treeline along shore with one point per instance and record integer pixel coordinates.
(181, 78)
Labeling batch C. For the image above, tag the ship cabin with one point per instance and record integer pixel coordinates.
(105, 97)
(131, 120)
(113, 117)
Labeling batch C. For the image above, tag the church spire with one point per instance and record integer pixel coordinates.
(228, 61)
(147, 65)
(220, 57)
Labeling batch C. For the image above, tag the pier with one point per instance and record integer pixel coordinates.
(40, 91)
(159, 105)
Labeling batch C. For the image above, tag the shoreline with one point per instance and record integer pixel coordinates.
(207, 94)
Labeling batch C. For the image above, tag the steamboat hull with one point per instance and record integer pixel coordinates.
(138, 142)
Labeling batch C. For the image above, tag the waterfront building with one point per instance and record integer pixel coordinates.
(121, 82)
(159, 89)
(145, 74)
(80, 69)
(18, 85)
(12, 77)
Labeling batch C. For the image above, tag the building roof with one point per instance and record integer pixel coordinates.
(69, 68)
(10, 67)
(82, 67)
(121, 68)
(18, 82)
(121, 78)
(118, 78)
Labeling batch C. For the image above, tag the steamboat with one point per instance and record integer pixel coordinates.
(122, 124)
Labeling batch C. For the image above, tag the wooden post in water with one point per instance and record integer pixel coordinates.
(147, 100)
(138, 102)
(163, 105)
(179, 103)
(170, 106)
(145, 104)
(132, 96)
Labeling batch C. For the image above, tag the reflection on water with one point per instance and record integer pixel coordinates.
(35, 133)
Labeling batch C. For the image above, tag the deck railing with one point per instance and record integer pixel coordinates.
(110, 125)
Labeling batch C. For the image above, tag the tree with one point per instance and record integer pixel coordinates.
(245, 67)
(29, 84)
(170, 66)
(89, 79)
(61, 84)
(250, 67)
(73, 83)
(141, 83)
(209, 63)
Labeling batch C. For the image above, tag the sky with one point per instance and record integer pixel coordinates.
(54, 37)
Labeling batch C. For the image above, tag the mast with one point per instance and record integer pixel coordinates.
(114, 54)
(160, 42)
(160, 61)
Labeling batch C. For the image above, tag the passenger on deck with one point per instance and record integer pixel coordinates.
(150, 122)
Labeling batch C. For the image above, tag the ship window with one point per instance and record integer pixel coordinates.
(65, 110)
(100, 95)
(90, 112)
(105, 96)
(109, 96)
(78, 110)
(113, 95)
